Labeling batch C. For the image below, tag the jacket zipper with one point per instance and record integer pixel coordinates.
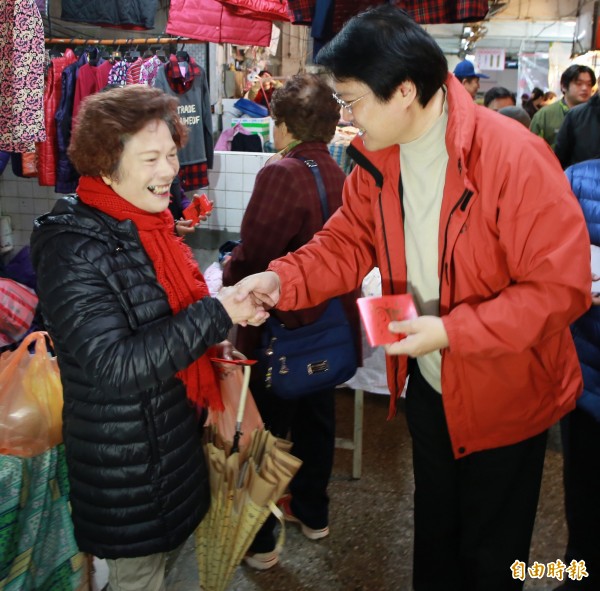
(462, 203)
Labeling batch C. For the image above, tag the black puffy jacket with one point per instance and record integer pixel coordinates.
(139, 483)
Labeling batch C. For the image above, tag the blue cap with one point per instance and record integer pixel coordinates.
(466, 69)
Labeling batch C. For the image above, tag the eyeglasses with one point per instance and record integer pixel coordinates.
(348, 106)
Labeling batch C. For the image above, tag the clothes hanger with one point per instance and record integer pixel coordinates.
(182, 55)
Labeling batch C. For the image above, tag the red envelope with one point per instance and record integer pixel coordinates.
(377, 312)
(200, 206)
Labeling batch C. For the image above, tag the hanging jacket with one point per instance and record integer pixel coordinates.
(270, 10)
(138, 480)
(47, 152)
(66, 175)
(209, 20)
(126, 15)
(585, 181)
(513, 269)
(21, 76)
(194, 108)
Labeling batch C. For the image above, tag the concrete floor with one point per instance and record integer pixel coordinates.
(370, 546)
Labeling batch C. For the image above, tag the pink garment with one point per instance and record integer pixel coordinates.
(149, 70)
(224, 142)
(21, 76)
(209, 20)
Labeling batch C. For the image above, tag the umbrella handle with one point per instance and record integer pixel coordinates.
(243, 396)
(241, 408)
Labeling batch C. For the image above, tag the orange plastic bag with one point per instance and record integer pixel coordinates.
(31, 399)
(231, 377)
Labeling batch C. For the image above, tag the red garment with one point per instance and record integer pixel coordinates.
(133, 72)
(90, 79)
(514, 268)
(270, 10)
(209, 20)
(176, 271)
(47, 151)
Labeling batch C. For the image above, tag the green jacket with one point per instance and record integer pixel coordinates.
(547, 121)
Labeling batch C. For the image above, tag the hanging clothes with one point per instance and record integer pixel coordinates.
(21, 76)
(224, 142)
(42, 6)
(270, 10)
(209, 20)
(133, 73)
(47, 151)
(66, 175)
(91, 77)
(191, 89)
(425, 12)
(125, 15)
(118, 73)
(149, 70)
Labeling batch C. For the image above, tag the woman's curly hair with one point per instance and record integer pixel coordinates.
(108, 118)
(306, 105)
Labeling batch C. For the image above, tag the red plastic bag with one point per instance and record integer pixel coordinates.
(231, 377)
(31, 399)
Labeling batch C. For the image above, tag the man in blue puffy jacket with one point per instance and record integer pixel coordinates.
(581, 427)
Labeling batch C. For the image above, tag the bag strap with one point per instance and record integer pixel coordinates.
(314, 168)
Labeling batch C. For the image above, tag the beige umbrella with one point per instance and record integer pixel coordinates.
(245, 486)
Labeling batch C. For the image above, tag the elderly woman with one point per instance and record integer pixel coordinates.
(131, 320)
(283, 213)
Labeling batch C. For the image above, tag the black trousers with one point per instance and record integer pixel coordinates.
(473, 516)
(581, 448)
(310, 424)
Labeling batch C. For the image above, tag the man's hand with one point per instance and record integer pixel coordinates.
(264, 288)
(242, 310)
(423, 335)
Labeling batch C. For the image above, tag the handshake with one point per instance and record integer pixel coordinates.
(247, 301)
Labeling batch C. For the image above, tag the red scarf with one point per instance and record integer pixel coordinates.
(176, 271)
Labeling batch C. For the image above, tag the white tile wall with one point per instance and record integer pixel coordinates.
(230, 185)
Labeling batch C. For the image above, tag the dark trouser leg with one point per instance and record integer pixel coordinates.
(313, 434)
(474, 516)
(581, 448)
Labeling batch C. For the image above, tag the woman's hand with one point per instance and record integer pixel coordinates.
(244, 309)
(423, 335)
(184, 227)
(263, 287)
(595, 294)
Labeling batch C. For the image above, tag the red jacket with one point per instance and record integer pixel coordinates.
(513, 265)
(209, 20)
(47, 151)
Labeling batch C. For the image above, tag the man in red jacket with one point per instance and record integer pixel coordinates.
(470, 213)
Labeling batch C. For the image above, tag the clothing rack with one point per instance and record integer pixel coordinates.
(127, 41)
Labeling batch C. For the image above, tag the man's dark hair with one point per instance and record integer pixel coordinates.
(572, 73)
(536, 93)
(497, 92)
(382, 48)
